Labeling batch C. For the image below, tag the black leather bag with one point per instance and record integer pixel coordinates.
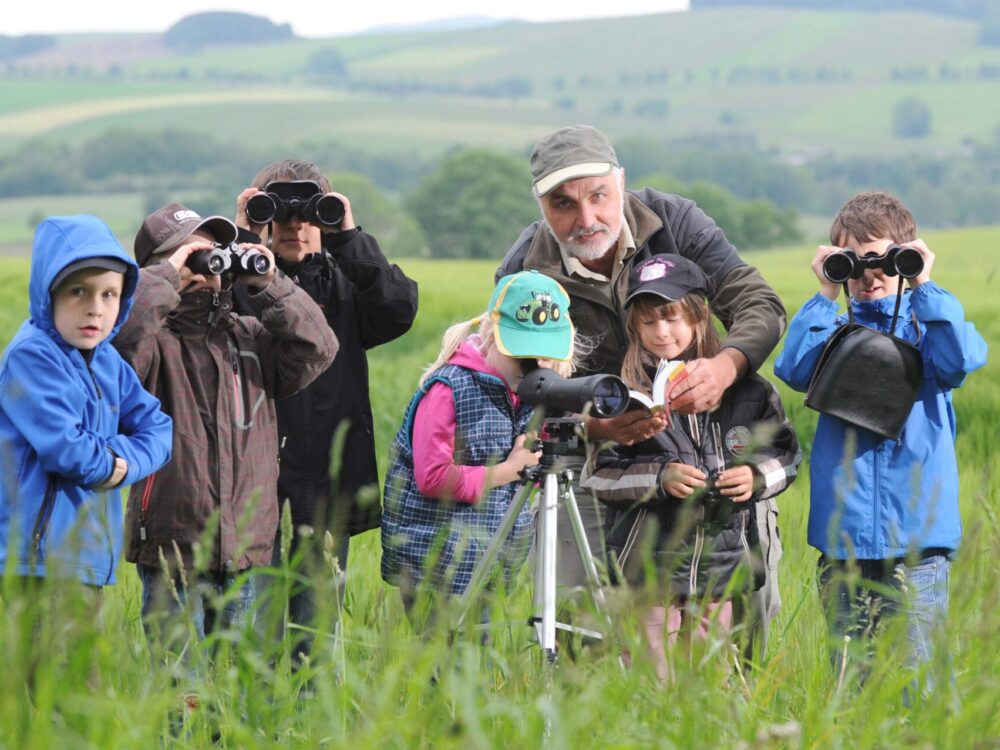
(867, 378)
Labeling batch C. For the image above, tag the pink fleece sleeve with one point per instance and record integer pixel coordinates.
(434, 466)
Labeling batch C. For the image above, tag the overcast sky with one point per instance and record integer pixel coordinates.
(307, 18)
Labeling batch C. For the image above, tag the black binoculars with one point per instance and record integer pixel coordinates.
(229, 259)
(716, 509)
(281, 200)
(847, 264)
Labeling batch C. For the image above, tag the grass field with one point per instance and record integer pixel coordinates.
(380, 685)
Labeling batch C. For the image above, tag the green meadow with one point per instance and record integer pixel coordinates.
(379, 684)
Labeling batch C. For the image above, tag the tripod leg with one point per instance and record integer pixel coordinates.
(545, 591)
(492, 554)
(583, 549)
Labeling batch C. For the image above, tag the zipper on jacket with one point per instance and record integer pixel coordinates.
(876, 515)
(147, 493)
(42, 521)
(234, 359)
(100, 420)
(97, 386)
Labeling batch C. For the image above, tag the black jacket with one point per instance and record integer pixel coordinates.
(644, 523)
(748, 307)
(367, 302)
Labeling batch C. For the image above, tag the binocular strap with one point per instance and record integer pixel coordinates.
(895, 311)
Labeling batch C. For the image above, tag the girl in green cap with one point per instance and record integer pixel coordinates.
(455, 462)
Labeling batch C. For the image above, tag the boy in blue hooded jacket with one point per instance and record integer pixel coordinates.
(75, 422)
(884, 513)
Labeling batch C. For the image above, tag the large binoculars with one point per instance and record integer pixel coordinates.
(604, 395)
(282, 200)
(229, 259)
(847, 264)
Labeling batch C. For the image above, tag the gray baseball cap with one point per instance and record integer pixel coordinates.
(101, 263)
(568, 154)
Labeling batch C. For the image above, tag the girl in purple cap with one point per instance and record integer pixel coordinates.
(688, 489)
(456, 459)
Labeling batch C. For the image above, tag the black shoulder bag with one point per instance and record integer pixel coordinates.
(867, 378)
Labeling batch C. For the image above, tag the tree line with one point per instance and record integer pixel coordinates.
(465, 203)
(473, 202)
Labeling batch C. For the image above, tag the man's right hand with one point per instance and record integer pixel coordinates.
(627, 429)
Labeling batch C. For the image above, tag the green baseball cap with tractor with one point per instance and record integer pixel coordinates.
(568, 154)
(530, 314)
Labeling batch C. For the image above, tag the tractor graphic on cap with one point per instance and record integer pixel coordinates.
(539, 309)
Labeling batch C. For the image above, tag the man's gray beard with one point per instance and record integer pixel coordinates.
(582, 250)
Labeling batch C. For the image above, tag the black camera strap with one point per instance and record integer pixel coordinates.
(895, 310)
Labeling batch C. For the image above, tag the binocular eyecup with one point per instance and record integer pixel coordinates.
(897, 261)
(277, 203)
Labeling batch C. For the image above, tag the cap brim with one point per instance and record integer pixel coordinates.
(573, 172)
(555, 344)
(99, 262)
(221, 228)
(665, 292)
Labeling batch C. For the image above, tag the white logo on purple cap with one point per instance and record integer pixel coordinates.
(655, 269)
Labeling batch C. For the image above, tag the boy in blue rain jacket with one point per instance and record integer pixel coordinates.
(75, 422)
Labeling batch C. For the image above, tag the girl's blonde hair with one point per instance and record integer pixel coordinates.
(457, 334)
(692, 308)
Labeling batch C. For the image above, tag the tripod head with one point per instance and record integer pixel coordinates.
(561, 438)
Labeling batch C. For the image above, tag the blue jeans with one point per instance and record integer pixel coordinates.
(213, 602)
(859, 594)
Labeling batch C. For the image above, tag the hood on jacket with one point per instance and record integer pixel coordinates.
(470, 357)
(62, 240)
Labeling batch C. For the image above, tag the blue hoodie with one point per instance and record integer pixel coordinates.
(887, 498)
(60, 419)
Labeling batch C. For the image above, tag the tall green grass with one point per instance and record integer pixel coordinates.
(378, 684)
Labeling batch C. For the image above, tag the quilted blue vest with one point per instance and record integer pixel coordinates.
(439, 540)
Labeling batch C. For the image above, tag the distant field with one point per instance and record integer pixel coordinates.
(18, 216)
(799, 81)
(65, 116)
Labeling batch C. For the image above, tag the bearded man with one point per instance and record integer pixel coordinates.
(592, 232)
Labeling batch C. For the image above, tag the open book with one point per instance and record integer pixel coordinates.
(668, 373)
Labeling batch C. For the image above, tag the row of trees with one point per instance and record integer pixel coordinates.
(472, 202)
(467, 203)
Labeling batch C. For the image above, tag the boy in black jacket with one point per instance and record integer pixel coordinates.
(367, 302)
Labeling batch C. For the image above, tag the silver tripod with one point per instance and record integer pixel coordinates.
(556, 485)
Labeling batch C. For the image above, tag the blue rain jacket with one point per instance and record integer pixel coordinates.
(60, 419)
(873, 498)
